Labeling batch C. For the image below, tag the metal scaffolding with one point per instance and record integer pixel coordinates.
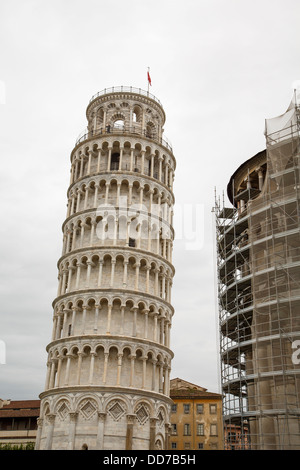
(258, 265)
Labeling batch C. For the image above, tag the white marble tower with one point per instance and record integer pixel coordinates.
(109, 359)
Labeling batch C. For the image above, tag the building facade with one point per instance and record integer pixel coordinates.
(109, 358)
(196, 417)
(258, 255)
(18, 422)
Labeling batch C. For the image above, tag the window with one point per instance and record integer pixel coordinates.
(213, 409)
(174, 445)
(200, 429)
(114, 164)
(186, 408)
(213, 430)
(187, 445)
(200, 445)
(131, 242)
(187, 430)
(199, 408)
(174, 409)
(174, 428)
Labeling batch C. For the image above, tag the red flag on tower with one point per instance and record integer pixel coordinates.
(149, 78)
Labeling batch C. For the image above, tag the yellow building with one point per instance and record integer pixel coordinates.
(196, 417)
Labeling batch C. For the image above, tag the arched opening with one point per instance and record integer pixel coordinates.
(114, 163)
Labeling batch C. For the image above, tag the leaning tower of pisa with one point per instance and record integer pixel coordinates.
(109, 358)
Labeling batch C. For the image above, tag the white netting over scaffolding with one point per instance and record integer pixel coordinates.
(258, 247)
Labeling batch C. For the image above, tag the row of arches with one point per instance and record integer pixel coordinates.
(130, 114)
(87, 231)
(111, 229)
(117, 155)
(116, 271)
(120, 192)
(121, 316)
(142, 423)
(99, 363)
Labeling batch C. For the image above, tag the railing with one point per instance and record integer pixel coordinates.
(125, 89)
(120, 129)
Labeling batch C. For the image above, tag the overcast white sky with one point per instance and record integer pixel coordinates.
(220, 68)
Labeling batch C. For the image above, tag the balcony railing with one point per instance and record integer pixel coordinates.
(122, 129)
(125, 89)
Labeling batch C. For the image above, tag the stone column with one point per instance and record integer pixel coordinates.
(129, 432)
(89, 163)
(121, 158)
(86, 198)
(63, 284)
(72, 428)
(39, 433)
(167, 436)
(120, 356)
(146, 313)
(72, 205)
(109, 159)
(160, 159)
(93, 225)
(134, 322)
(97, 308)
(48, 375)
(84, 307)
(79, 266)
(108, 319)
(113, 264)
(122, 319)
(90, 264)
(153, 374)
(91, 375)
(131, 159)
(105, 366)
(60, 359)
(132, 358)
(52, 376)
(100, 272)
(51, 419)
(75, 309)
(79, 367)
(100, 433)
(79, 192)
(155, 326)
(137, 268)
(82, 234)
(152, 433)
(125, 264)
(130, 194)
(152, 165)
(68, 369)
(144, 359)
(107, 185)
(99, 160)
(74, 235)
(54, 326)
(71, 269)
(143, 162)
(160, 377)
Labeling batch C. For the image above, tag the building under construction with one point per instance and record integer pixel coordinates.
(258, 264)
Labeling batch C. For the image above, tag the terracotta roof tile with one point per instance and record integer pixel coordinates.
(20, 409)
(191, 393)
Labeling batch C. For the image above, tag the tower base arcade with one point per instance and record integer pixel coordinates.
(102, 418)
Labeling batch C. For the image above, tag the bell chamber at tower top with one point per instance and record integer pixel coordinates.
(127, 111)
